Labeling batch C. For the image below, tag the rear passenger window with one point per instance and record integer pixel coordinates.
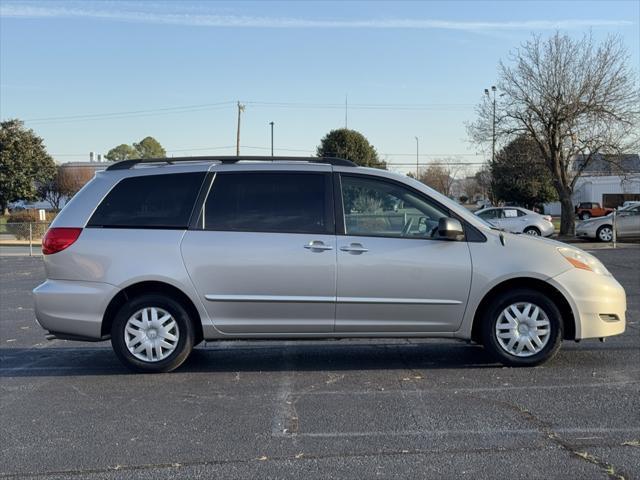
(150, 201)
(269, 202)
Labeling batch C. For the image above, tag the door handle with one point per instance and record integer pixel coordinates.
(354, 248)
(317, 245)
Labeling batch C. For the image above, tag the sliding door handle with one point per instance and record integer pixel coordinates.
(318, 246)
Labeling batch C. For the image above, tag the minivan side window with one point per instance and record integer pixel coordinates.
(279, 202)
(149, 201)
(385, 209)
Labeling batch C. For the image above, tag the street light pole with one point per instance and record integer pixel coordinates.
(271, 123)
(417, 158)
(493, 135)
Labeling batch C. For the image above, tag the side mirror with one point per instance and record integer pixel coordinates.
(450, 229)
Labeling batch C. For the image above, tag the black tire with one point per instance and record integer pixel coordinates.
(492, 315)
(186, 337)
(585, 216)
(600, 233)
(533, 231)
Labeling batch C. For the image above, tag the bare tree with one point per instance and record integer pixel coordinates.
(575, 99)
(71, 179)
(440, 177)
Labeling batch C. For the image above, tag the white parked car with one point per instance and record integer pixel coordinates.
(601, 228)
(518, 220)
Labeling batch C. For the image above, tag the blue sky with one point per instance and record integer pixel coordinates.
(408, 68)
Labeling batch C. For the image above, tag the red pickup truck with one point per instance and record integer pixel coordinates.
(587, 210)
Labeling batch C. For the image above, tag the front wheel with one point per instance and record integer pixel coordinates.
(585, 216)
(152, 333)
(605, 233)
(522, 328)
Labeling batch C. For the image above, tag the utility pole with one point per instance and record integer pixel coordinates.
(493, 135)
(346, 109)
(271, 123)
(417, 158)
(240, 110)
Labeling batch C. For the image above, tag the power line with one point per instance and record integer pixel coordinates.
(88, 116)
(229, 103)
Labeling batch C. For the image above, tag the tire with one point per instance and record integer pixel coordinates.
(533, 231)
(585, 216)
(500, 347)
(176, 332)
(605, 233)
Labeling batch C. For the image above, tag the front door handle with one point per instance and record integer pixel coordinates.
(318, 246)
(354, 248)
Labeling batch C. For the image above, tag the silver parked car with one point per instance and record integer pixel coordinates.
(518, 220)
(601, 228)
(161, 255)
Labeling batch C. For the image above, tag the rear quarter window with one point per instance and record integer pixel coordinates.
(150, 201)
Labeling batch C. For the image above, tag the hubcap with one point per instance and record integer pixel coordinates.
(606, 234)
(523, 329)
(151, 334)
(532, 231)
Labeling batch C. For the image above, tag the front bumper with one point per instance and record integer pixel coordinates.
(72, 308)
(599, 302)
(586, 230)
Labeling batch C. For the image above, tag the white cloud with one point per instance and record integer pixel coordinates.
(21, 10)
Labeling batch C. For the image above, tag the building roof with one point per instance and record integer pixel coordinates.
(609, 164)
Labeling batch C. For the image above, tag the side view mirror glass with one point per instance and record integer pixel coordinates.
(450, 229)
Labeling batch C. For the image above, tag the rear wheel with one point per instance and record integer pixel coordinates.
(605, 233)
(522, 328)
(152, 333)
(532, 231)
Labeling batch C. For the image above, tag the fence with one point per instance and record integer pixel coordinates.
(23, 234)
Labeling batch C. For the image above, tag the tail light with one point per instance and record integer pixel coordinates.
(57, 239)
(547, 218)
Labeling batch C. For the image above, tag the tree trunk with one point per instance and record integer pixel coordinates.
(567, 215)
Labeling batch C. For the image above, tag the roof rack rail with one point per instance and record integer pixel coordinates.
(127, 164)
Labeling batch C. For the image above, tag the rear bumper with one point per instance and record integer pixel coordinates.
(72, 308)
(599, 303)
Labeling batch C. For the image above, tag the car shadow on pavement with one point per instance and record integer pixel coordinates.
(268, 357)
(252, 357)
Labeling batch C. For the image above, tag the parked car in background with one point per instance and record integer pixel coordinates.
(629, 203)
(518, 220)
(587, 210)
(627, 225)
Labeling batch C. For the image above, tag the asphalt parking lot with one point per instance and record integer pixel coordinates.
(339, 409)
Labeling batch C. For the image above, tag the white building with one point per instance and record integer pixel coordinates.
(608, 180)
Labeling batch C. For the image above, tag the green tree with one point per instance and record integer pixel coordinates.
(350, 145)
(121, 152)
(519, 174)
(149, 147)
(24, 163)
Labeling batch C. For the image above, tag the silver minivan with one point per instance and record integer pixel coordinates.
(159, 255)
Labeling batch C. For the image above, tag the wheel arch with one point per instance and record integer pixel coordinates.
(151, 286)
(557, 297)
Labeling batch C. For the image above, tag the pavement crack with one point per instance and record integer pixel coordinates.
(546, 429)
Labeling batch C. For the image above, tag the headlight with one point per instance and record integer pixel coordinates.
(583, 260)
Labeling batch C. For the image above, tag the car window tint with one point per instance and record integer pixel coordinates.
(488, 214)
(522, 213)
(378, 208)
(149, 201)
(268, 202)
